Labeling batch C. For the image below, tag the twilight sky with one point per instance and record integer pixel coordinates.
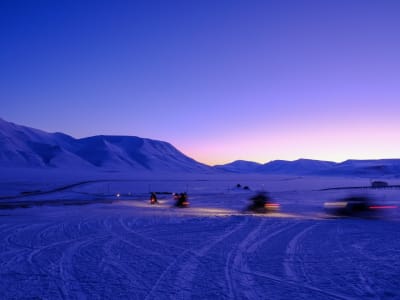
(219, 79)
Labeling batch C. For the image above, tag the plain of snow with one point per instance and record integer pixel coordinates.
(130, 249)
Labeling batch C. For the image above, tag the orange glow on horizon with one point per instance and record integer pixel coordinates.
(334, 143)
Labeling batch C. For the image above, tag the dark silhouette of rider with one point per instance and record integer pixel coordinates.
(182, 200)
(259, 200)
(153, 198)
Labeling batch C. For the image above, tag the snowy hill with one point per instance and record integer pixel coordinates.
(22, 146)
(359, 168)
(366, 168)
(298, 167)
(240, 166)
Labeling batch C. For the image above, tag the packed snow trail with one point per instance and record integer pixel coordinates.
(114, 251)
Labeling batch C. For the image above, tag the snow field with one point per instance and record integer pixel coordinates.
(212, 250)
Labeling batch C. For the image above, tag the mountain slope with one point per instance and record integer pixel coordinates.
(358, 168)
(22, 146)
(366, 168)
(240, 166)
(298, 167)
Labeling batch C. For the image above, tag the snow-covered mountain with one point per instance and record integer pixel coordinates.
(359, 168)
(297, 167)
(22, 146)
(240, 166)
(366, 168)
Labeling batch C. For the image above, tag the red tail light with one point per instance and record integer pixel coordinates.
(383, 207)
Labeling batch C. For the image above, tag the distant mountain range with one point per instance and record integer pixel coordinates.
(359, 168)
(21, 146)
(297, 167)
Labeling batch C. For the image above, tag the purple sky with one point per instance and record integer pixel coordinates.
(220, 80)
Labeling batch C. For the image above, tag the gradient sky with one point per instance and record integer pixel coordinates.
(220, 80)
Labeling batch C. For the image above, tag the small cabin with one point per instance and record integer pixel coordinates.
(379, 184)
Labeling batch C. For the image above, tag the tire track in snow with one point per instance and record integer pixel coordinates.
(187, 263)
(290, 277)
(42, 254)
(285, 281)
(125, 234)
(187, 272)
(293, 256)
(113, 260)
(7, 236)
(236, 260)
(71, 288)
(237, 283)
(365, 282)
(17, 259)
(339, 243)
(241, 256)
(369, 253)
(40, 266)
(147, 238)
(17, 234)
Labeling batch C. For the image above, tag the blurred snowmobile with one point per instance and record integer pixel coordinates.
(262, 203)
(357, 206)
(153, 198)
(181, 200)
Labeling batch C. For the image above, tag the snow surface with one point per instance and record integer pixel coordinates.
(212, 250)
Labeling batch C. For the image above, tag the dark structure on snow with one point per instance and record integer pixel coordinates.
(379, 184)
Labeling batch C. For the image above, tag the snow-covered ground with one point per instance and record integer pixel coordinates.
(129, 249)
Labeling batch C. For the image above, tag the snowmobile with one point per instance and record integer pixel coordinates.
(262, 203)
(153, 198)
(181, 200)
(357, 206)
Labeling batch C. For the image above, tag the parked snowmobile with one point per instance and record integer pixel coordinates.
(262, 203)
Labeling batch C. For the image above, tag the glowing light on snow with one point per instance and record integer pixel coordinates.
(272, 206)
(339, 204)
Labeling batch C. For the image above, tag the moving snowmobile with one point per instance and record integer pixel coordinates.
(181, 200)
(262, 203)
(355, 206)
(153, 198)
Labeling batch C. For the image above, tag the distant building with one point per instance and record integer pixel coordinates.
(379, 184)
